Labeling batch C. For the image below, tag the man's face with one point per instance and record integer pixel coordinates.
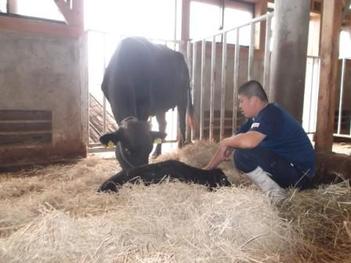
(247, 106)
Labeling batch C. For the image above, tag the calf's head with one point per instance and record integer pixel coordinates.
(134, 141)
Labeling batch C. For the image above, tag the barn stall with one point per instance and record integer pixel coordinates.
(52, 212)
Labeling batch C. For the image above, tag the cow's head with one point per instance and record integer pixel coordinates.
(134, 141)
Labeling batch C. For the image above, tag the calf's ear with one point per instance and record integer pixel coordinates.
(111, 138)
(156, 135)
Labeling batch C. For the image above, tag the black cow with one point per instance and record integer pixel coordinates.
(142, 80)
(157, 172)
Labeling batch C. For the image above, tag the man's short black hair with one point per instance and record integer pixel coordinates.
(253, 88)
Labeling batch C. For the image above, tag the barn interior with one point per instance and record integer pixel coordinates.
(52, 112)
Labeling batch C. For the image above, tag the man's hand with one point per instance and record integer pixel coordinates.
(223, 153)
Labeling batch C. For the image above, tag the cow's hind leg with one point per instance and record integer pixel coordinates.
(161, 120)
(181, 125)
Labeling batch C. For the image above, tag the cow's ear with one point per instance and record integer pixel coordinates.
(158, 135)
(109, 139)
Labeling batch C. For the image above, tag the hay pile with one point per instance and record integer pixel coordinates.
(322, 217)
(165, 223)
(54, 214)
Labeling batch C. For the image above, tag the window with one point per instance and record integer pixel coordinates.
(152, 19)
(3, 8)
(38, 8)
(345, 44)
(206, 19)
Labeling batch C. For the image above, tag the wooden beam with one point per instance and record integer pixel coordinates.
(20, 24)
(65, 10)
(331, 24)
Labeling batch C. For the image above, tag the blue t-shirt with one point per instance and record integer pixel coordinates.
(284, 136)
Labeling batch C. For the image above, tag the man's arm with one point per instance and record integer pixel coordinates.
(246, 140)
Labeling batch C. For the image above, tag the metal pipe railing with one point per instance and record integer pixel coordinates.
(223, 85)
(236, 80)
(213, 86)
(250, 62)
(202, 87)
(267, 57)
(224, 72)
(220, 32)
(193, 75)
(341, 94)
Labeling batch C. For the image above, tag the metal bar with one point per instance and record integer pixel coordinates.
(104, 98)
(202, 89)
(104, 114)
(213, 85)
(311, 96)
(255, 20)
(175, 24)
(188, 55)
(318, 83)
(223, 85)
(341, 94)
(267, 61)
(251, 53)
(193, 79)
(236, 80)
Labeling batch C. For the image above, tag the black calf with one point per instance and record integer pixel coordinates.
(155, 173)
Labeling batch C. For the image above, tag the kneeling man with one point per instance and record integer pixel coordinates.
(271, 148)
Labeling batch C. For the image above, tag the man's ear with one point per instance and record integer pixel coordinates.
(158, 135)
(111, 138)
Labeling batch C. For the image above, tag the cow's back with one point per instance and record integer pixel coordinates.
(143, 78)
(171, 79)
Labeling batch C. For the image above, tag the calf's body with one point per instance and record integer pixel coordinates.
(156, 173)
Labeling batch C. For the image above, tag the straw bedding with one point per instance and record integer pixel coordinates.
(53, 214)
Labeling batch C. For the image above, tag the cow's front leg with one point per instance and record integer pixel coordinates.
(161, 120)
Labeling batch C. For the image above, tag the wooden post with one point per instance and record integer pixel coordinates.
(260, 9)
(331, 23)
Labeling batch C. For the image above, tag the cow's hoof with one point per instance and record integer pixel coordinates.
(108, 186)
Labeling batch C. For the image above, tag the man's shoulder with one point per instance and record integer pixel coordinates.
(271, 112)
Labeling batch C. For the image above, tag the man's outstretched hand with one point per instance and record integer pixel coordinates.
(223, 153)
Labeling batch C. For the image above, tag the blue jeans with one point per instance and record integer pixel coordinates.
(283, 172)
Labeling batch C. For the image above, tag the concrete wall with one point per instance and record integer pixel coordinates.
(45, 73)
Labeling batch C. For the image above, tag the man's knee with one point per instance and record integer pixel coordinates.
(245, 160)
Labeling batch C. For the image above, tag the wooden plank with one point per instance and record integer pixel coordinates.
(25, 126)
(27, 139)
(331, 23)
(7, 115)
